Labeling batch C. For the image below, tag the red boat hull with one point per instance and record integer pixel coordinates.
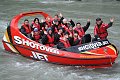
(16, 42)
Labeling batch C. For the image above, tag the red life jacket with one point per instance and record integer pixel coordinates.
(61, 35)
(71, 32)
(66, 43)
(56, 31)
(64, 26)
(56, 28)
(36, 26)
(102, 31)
(50, 41)
(80, 31)
(49, 23)
(27, 28)
(36, 36)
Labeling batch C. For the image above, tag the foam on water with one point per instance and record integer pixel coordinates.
(3, 25)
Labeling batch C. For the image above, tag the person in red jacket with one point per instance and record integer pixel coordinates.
(48, 39)
(44, 29)
(58, 35)
(82, 30)
(70, 30)
(48, 21)
(26, 29)
(65, 23)
(56, 17)
(64, 42)
(36, 35)
(36, 24)
(76, 39)
(100, 29)
(55, 26)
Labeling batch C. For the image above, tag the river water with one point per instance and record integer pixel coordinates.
(16, 67)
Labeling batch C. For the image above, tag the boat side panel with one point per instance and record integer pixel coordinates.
(63, 60)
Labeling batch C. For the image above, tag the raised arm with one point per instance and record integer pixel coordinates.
(111, 22)
(87, 25)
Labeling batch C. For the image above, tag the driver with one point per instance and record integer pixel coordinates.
(100, 29)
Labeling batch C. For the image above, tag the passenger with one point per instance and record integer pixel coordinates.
(61, 18)
(64, 42)
(77, 40)
(65, 22)
(55, 26)
(82, 30)
(36, 24)
(36, 35)
(26, 29)
(56, 17)
(44, 29)
(42, 24)
(48, 39)
(100, 29)
(70, 30)
(58, 35)
(48, 21)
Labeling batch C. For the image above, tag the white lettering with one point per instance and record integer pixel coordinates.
(105, 42)
(90, 46)
(32, 44)
(34, 55)
(51, 50)
(48, 49)
(39, 56)
(17, 40)
(57, 52)
(42, 47)
(99, 44)
(37, 46)
(25, 42)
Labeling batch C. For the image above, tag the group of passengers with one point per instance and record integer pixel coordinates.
(61, 32)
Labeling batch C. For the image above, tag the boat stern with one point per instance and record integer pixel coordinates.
(7, 43)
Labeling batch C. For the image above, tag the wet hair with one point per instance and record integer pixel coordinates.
(36, 19)
(78, 23)
(26, 20)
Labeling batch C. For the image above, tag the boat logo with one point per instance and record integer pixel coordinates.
(93, 45)
(39, 56)
(25, 42)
